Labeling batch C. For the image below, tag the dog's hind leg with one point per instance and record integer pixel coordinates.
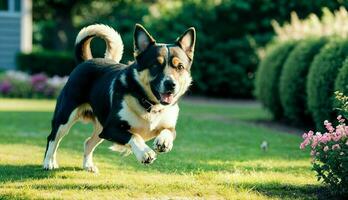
(53, 140)
(90, 144)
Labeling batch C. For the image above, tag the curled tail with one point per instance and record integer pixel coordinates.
(114, 44)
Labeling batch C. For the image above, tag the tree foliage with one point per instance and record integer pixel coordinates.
(228, 32)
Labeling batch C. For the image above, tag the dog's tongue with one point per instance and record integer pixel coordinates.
(167, 98)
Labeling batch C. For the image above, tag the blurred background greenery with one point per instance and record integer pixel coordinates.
(229, 34)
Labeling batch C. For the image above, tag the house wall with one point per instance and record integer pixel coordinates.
(15, 32)
(10, 34)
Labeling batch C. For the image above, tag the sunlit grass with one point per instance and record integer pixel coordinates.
(26, 105)
(211, 159)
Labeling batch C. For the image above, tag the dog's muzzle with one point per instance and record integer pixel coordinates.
(167, 91)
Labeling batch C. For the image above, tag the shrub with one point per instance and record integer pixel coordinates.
(341, 101)
(21, 85)
(321, 78)
(267, 77)
(292, 86)
(48, 62)
(341, 83)
(329, 153)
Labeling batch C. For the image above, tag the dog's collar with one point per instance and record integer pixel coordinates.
(146, 103)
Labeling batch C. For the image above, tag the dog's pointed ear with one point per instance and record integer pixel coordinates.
(142, 39)
(187, 41)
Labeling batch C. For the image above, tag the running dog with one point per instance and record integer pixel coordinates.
(128, 104)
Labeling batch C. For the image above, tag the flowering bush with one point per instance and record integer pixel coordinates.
(342, 102)
(21, 85)
(329, 152)
(332, 23)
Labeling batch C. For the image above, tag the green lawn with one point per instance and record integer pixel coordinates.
(216, 156)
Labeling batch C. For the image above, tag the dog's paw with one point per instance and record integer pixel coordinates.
(147, 156)
(164, 142)
(50, 164)
(91, 168)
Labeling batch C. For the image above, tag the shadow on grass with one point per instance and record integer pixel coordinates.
(176, 165)
(80, 186)
(287, 191)
(10, 173)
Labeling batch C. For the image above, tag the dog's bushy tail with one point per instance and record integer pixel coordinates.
(114, 44)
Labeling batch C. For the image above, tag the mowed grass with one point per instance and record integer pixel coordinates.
(216, 156)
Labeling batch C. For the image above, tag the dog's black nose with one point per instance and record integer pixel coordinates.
(169, 85)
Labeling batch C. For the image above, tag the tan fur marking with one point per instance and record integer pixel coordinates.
(142, 120)
(160, 59)
(181, 77)
(175, 61)
(145, 78)
(86, 53)
(146, 135)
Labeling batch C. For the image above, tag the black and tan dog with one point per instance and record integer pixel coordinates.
(128, 104)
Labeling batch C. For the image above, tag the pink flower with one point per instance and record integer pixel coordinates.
(310, 134)
(336, 137)
(5, 86)
(304, 144)
(313, 153)
(314, 144)
(336, 146)
(315, 140)
(328, 126)
(340, 119)
(326, 148)
(325, 138)
(340, 130)
(39, 82)
(304, 136)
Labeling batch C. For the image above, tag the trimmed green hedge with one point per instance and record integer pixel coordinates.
(267, 77)
(321, 78)
(292, 88)
(341, 83)
(50, 62)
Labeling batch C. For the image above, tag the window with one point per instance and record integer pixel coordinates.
(17, 6)
(10, 6)
(3, 5)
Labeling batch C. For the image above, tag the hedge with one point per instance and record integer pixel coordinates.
(267, 77)
(292, 86)
(341, 83)
(49, 62)
(321, 79)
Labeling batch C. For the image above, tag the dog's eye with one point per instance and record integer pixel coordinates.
(180, 66)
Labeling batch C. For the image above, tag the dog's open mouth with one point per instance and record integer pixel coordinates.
(167, 98)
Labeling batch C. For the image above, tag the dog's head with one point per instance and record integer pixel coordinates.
(164, 70)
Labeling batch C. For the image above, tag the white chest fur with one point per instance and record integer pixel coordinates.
(149, 124)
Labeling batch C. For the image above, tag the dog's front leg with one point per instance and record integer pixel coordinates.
(141, 151)
(164, 141)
